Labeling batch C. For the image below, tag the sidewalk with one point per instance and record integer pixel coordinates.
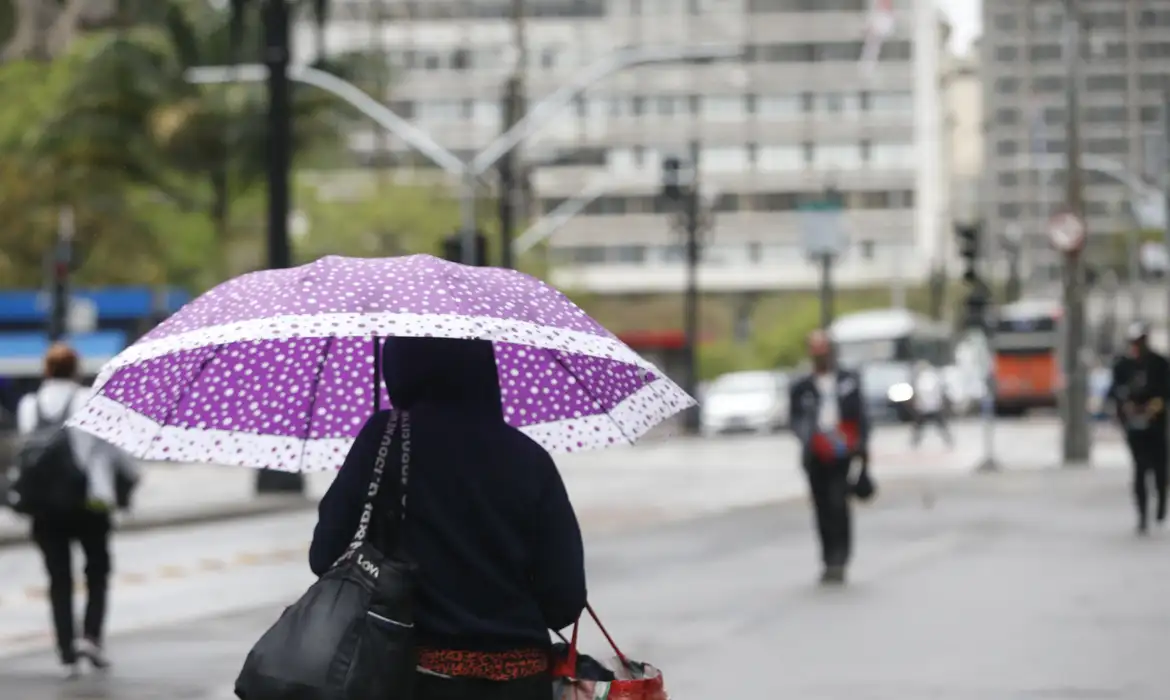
(663, 479)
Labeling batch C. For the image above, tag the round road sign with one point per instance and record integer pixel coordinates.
(1066, 232)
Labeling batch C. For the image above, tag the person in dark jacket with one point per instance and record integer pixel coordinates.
(489, 525)
(1140, 391)
(828, 417)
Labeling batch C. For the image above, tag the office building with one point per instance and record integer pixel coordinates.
(794, 116)
(1126, 60)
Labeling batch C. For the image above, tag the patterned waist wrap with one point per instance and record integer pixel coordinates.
(490, 665)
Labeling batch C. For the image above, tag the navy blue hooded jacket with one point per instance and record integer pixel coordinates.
(488, 523)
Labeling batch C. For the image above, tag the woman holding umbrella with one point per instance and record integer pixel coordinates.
(279, 370)
(497, 545)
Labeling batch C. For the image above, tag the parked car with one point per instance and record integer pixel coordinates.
(888, 391)
(754, 402)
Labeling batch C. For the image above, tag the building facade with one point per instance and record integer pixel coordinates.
(794, 116)
(1126, 61)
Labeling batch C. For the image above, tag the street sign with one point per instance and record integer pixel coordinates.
(823, 230)
(1066, 232)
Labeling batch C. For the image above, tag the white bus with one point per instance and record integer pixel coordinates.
(890, 335)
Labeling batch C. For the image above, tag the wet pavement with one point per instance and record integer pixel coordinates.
(1017, 586)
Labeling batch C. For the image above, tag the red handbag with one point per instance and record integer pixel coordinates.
(842, 443)
(633, 680)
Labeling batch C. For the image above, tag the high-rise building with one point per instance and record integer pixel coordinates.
(794, 116)
(1125, 67)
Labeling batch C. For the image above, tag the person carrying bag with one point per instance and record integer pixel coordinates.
(351, 635)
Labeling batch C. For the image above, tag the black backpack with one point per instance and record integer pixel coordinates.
(47, 478)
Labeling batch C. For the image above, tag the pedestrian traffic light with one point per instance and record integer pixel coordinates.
(453, 249)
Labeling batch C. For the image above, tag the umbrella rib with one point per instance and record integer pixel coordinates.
(556, 355)
(313, 398)
(215, 349)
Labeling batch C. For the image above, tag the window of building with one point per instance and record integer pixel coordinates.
(486, 113)
(1007, 53)
(1154, 81)
(1106, 83)
(1007, 116)
(892, 102)
(1007, 148)
(718, 108)
(1007, 86)
(902, 199)
(670, 105)
(1045, 52)
(1009, 210)
(777, 201)
(1154, 49)
(438, 110)
(785, 53)
(728, 159)
(460, 59)
(780, 158)
(1112, 19)
(842, 50)
(779, 106)
(1008, 179)
(1113, 146)
(1006, 22)
(892, 155)
(1106, 115)
(865, 148)
(894, 51)
(1047, 83)
(837, 156)
(1151, 114)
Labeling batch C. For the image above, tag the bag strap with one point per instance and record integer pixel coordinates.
(367, 517)
(45, 422)
(572, 657)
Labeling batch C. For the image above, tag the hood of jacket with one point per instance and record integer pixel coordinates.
(441, 370)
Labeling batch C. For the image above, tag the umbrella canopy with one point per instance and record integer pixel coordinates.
(276, 369)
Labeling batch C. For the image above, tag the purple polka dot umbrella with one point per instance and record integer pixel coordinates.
(275, 369)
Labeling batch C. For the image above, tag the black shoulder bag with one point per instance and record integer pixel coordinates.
(351, 635)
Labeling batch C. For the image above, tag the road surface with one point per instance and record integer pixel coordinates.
(1015, 586)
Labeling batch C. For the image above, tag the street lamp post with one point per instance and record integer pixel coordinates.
(1075, 441)
(470, 172)
(680, 186)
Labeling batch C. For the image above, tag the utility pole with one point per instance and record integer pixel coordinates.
(60, 268)
(512, 109)
(1164, 170)
(381, 82)
(277, 56)
(1075, 443)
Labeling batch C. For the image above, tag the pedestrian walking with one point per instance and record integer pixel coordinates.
(829, 419)
(929, 403)
(489, 525)
(61, 515)
(1140, 391)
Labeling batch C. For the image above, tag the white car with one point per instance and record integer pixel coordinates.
(755, 402)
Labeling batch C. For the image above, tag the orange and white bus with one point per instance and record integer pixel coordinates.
(1026, 348)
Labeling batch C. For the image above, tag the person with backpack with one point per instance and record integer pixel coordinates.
(69, 483)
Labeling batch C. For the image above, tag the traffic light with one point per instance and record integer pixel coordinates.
(672, 178)
(978, 299)
(969, 252)
(453, 249)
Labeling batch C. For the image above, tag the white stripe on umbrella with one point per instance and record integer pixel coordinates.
(879, 28)
(146, 439)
